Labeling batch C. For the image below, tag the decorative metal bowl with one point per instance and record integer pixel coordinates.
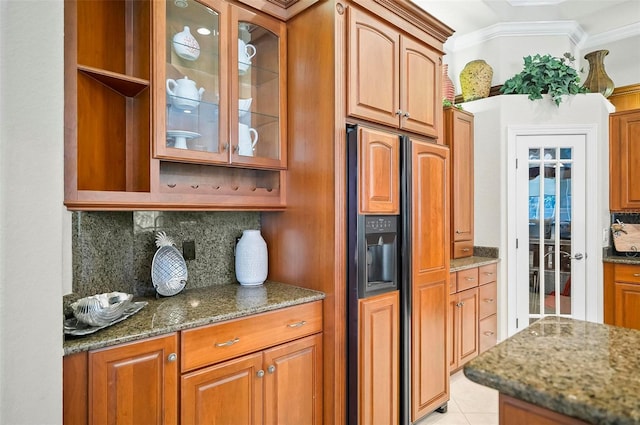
(101, 309)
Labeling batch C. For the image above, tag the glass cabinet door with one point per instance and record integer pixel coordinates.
(258, 95)
(195, 119)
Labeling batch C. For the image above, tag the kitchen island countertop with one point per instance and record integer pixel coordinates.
(580, 369)
(191, 308)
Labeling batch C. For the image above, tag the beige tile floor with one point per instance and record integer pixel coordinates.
(470, 404)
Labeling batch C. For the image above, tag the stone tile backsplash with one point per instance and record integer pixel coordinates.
(113, 251)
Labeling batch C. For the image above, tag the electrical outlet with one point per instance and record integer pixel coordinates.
(605, 237)
(189, 250)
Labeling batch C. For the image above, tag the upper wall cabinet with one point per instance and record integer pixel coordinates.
(393, 79)
(624, 157)
(174, 105)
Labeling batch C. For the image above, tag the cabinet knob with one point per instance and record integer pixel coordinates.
(460, 304)
(297, 324)
(260, 373)
(225, 147)
(227, 343)
(172, 357)
(271, 369)
(399, 112)
(406, 115)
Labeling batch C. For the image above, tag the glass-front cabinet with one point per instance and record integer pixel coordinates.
(174, 104)
(221, 75)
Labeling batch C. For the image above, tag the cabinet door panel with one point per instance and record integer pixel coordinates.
(469, 345)
(488, 332)
(487, 299)
(379, 359)
(373, 81)
(379, 165)
(134, 383)
(627, 307)
(420, 99)
(429, 274)
(625, 157)
(293, 382)
(227, 393)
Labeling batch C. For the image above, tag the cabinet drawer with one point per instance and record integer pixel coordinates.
(211, 344)
(488, 273)
(488, 332)
(462, 249)
(488, 297)
(467, 279)
(627, 273)
(453, 285)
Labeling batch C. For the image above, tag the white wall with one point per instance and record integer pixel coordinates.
(492, 117)
(34, 225)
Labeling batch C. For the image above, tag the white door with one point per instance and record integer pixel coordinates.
(550, 226)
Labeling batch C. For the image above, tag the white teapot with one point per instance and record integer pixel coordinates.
(184, 94)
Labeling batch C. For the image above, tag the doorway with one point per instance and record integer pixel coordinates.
(549, 216)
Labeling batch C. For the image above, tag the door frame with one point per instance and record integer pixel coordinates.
(593, 290)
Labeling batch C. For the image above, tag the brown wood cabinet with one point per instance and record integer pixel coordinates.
(626, 98)
(624, 157)
(306, 241)
(430, 275)
(261, 369)
(135, 383)
(379, 169)
(463, 326)
(458, 135)
(488, 306)
(134, 141)
(513, 411)
(393, 79)
(472, 314)
(281, 385)
(379, 363)
(622, 295)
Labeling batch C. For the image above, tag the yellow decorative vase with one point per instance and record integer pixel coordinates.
(475, 80)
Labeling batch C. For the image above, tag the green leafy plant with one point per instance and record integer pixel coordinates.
(545, 74)
(446, 103)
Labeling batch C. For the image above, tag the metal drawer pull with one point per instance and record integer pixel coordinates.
(488, 273)
(271, 369)
(465, 250)
(228, 343)
(488, 300)
(297, 324)
(489, 333)
(636, 275)
(460, 304)
(172, 357)
(470, 278)
(260, 373)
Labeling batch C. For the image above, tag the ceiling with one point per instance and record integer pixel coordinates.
(593, 16)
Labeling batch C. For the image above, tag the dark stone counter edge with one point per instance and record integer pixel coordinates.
(79, 347)
(621, 260)
(560, 404)
(470, 262)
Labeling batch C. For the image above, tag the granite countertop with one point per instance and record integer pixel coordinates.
(619, 259)
(581, 369)
(191, 308)
(470, 262)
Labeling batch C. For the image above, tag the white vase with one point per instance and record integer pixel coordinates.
(185, 45)
(251, 258)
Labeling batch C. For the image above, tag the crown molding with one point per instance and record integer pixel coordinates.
(628, 31)
(570, 29)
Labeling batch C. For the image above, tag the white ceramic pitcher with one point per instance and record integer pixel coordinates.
(247, 139)
(245, 53)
